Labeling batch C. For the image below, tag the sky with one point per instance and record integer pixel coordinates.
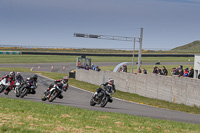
(166, 23)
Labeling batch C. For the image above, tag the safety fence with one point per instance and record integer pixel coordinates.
(181, 90)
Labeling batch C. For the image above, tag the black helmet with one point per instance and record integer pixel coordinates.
(35, 76)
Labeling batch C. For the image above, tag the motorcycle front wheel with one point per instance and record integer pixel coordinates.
(53, 96)
(17, 92)
(44, 97)
(92, 103)
(1, 88)
(24, 92)
(104, 102)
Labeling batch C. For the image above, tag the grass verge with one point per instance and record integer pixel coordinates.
(27, 116)
(66, 58)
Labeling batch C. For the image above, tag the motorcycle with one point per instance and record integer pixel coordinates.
(51, 95)
(102, 97)
(4, 85)
(26, 89)
(17, 87)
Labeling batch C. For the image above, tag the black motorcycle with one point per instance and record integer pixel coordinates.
(102, 97)
(27, 89)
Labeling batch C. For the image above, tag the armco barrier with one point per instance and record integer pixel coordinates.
(11, 52)
(175, 89)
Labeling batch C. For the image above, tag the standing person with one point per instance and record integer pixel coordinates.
(155, 70)
(124, 68)
(9, 78)
(164, 71)
(98, 69)
(185, 74)
(191, 72)
(144, 71)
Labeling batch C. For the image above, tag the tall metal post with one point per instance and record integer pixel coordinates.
(140, 49)
(133, 54)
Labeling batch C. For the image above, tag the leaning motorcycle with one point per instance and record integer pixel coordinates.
(17, 87)
(26, 89)
(51, 95)
(4, 85)
(101, 97)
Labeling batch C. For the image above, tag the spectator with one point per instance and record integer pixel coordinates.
(158, 71)
(185, 74)
(164, 71)
(155, 69)
(93, 67)
(180, 72)
(174, 71)
(139, 71)
(124, 68)
(191, 72)
(144, 71)
(98, 69)
(120, 69)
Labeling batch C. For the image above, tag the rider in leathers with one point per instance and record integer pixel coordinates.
(32, 83)
(62, 84)
(19, 77)
(9, 78)
(110, 87)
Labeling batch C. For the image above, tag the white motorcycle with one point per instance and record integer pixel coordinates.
(17, 88)
(4, 85)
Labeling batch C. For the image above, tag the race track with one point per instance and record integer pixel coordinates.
(79, 98)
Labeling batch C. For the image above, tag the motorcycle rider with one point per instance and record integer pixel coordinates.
(110, 87)
(19, 77)
(62, 84)
(32, 83)
(9, 78)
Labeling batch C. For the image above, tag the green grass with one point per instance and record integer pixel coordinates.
(65, 58)
(27, 116)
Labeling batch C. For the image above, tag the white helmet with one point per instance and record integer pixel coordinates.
(11, 74)
(18, 73)
(111, 81)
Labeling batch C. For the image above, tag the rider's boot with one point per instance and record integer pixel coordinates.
(61, 96)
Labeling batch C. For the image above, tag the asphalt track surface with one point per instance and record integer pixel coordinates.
(76, 97)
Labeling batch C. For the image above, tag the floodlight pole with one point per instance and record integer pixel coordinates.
(133, 54)
(140, 49)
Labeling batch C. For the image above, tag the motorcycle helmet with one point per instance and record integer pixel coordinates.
(18, 73)
(35, 77)
(65, 79)
(11, 74)
(111, 81)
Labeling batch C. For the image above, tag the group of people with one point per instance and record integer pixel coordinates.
(31, 81)
(187, 72)
(88, 67)
(123, 68)
(162, 71)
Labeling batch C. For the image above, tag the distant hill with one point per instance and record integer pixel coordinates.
(190, 47)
